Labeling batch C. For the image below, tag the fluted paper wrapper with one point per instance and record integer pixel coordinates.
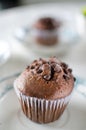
(42, 110)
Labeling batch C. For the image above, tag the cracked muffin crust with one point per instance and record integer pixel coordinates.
(46, 79)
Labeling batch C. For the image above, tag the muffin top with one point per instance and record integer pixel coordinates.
(47, 23)
(48, 79)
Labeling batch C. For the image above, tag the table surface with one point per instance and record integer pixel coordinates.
(11, 19)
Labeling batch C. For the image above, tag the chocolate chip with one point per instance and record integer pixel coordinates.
(74, 79)
(64, 65)
(47, 77)
(70, 70)
(65, 71)
(37, 67)
(52, 72)
(57, 69)
(36, 64)
(39, 71)
(32, 67)
(66, 77)
(44, 62)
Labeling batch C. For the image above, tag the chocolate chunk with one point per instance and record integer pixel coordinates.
(36, 64)
(39, 71)
(55, 64)
(57, 69)
(64, 65)
(44, 62)
(74, 79)
(66, 77)
(47, 77)
(52, 72)
(70, 70)
(65, 71)
(45, 66)
(37, 68)
(32, 67)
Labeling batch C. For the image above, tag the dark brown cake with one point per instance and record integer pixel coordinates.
(46, 31)
(45, 83)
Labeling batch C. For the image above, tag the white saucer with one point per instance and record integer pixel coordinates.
(5, 51)
(67, 39)
(12, 118)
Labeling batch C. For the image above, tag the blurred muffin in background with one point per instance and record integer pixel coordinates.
(45, 31)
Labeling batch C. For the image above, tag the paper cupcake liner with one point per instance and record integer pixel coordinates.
(42, 110)
(44, 33)
(44, 37)
(46, 41)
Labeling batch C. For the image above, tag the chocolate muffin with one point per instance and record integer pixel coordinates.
(44, 89)
(45, 31)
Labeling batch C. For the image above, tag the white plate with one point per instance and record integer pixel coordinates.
(5, 51)
(12, 118)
